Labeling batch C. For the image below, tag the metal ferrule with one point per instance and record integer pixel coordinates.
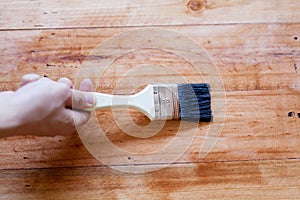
(166, 101)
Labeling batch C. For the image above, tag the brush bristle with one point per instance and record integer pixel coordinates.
(194, 102)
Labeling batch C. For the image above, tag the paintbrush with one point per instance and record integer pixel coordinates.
(189, 102)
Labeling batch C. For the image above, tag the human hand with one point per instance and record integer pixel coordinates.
(45, 107)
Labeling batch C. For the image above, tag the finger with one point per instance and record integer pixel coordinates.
(6, 93)
(69, 84)
(71, 120)
(86, 85)
(43, 97)
(28, 78)
(66, 81)
(47, 88)
(80, 117)
(82, 100)
(74, 118)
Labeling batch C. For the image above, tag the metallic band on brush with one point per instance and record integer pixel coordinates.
(166, 102)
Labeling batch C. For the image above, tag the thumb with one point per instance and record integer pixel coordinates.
(82, 100)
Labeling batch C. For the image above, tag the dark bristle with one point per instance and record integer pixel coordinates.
(194, 102)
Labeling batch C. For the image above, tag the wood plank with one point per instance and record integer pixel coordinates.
(249, 57)
(257, 64)
(277, 179)
(257, 126)
(42, 14)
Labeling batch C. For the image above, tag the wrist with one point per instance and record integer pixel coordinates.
(10, 118)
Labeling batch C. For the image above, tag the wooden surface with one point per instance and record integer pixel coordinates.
(256, 47)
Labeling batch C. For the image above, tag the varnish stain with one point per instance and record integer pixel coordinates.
(218, 173)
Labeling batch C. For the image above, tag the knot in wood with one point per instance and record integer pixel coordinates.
(196, 5)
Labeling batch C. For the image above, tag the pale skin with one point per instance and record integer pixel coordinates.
(44, 107)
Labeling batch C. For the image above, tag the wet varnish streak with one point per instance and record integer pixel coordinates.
(257, 154)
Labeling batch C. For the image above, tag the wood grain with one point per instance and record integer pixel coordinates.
(255, 46)
(249, 57)
(247, 135)
(41, 14)
(261, 83)
(276, 179)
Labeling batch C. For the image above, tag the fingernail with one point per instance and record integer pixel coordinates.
(90, 99)
(31, 77)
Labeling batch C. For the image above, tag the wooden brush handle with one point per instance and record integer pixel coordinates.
(142, 101)
(109, 101)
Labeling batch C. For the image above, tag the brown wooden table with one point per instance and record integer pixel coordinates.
(255, 46)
